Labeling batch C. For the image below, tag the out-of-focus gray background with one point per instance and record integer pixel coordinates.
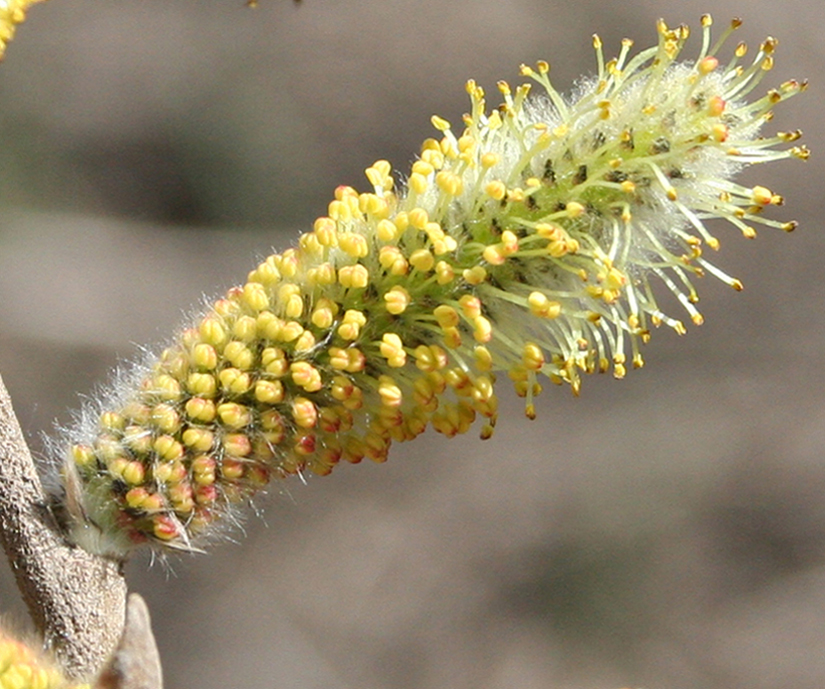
(666, 531)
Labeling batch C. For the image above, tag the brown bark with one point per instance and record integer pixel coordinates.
(77, 600)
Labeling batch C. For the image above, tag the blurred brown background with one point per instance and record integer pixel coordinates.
(666, 531)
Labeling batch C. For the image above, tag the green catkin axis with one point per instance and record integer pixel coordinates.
(526, 245)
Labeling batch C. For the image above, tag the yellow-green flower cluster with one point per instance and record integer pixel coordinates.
(12, 13)
(527, 243)
(21, 668)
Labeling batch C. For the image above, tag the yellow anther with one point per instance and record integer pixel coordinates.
(422, 167)
(615, 279)
(344, 192)
(354, 277)
(290, 331)
(397, 300)
(440, 123)
(494, 255)
(306, 376)
(482, 329)
(762, 196)
(494, 120)
(444, 245)
(355, 316)
(429, 144)
(323, 274)
(496, 190)
(449, 182)
(267, 273)
(245, 329)
(470, 306)
(239, 355)
(294, 306)
(133, 473)
(418, 218)
(386, 231)
(349, 330)
(574, 209)
(356, 361)
(135, 497)
(342, 388)
(417, 183)
(274, 361)
(234, 415)
(389, 392)
(422, 260)
(446, 316)
(304, 412)
(234, 381)
(509, 243)
(325, 230)
(488, 160)
(392, 349)
(433, 231)
(483, 358)
(707, 65)
(532, 357)
(466, 147)
(716, 106)
(392, 260)
(430, 358)
(548, 231)
(444, 273)
(373, 205)
(111, 421)
(516, 195)
(165, 418)
(200, 410)
(310, 245)
(287, 263)
(475, 275)
(719, 132)
(212, 331)
(166, 387)
(543, 307)
(339, 211)
(559, 247)
(434, 157)
(269, 391)
(166, 447)
(354, 244)
(338, 358)
(198, 439)
(288, 290)
(269, 325)
(255, 296)
(379, 175)
(324, 314)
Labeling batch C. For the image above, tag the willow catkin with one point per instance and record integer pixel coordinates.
(528, 242)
